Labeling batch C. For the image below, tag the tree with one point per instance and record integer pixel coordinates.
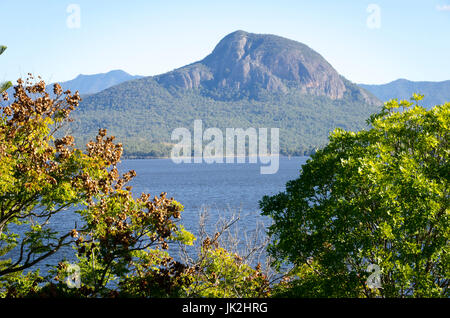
(42, 175)
(4, 86)
(379, 196)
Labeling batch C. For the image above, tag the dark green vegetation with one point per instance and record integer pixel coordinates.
(249, 80)
(378, 196)
(436, 93)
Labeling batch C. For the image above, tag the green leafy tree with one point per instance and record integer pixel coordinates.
(378, 196)
(4, 86)
(219, 273)
(41, 176)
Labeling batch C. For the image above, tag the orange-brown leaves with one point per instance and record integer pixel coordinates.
(63, 145)
(57, 90)
(32, 102)
(7, 111)
(104, 148)
(74, 233)
(5, 96)
(30, 122)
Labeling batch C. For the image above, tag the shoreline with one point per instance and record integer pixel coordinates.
(152, 157)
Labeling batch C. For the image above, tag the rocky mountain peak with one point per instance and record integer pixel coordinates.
(246, 62)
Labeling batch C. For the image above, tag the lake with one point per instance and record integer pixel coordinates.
(223, 190)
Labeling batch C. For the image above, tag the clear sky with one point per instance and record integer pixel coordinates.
(373, 41)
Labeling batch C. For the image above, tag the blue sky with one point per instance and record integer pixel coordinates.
(410, 39)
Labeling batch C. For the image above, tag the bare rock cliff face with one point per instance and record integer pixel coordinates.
(244, 61)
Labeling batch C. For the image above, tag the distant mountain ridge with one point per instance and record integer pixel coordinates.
(248, 80)
(436, 93)
(91, 84)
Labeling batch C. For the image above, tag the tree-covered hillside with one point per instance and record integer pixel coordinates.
(142, 114)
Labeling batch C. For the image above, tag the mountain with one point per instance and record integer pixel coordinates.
(245, 64)
(249, 80)
(436, 93)
(91, 84)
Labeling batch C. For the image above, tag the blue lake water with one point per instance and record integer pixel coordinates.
(222, 189)
(219, 187)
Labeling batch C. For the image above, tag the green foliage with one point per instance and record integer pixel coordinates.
(19, 285)
(123, 235)
(155, 274)
(4, 86)
(222, 274)
(378, 196)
